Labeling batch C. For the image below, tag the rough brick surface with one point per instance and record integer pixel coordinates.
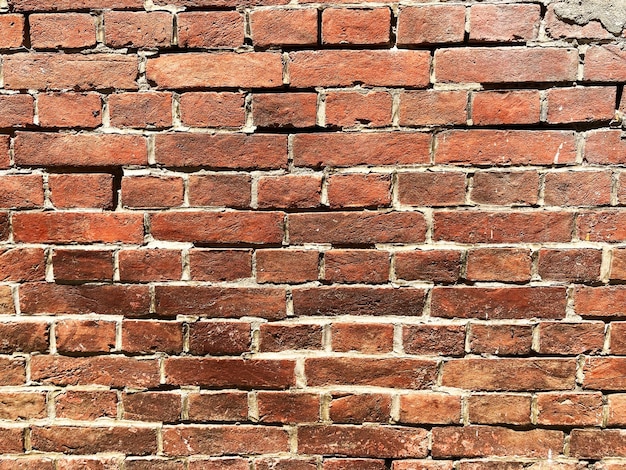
(303, 235)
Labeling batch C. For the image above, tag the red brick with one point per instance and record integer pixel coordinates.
(357, 228)
(86, 463)
(220, 190)
(597, 443)
(111, 371)
(368, 338)
(43, 463)
(491, 303)
(21, 191)
(218, 406)
(284, 109)
(284, 464)
(221, 3)
(138, 29)
(22, 264)
(288, 407)
(50, 71)
(616, 402)
(364, 266)
(557, 28)
(74, 336)
(510, 374)
(152, 191)
(219, 227)
(68, 191)
(24, 336)
(570, 338)
(66, 30)
(12, 27)
(16, 110)
(70, 110)
(61, 5)
(499, 264)
(220, 265)
(83, 265)
(423, 465)
(75, 227)
(331, 68)
(431, 188)
(210, 29)
(220, 302)
(505, 107)
(444, 340)
(90, 440)
(356, 26)
(219, 338)
(605, 147)
(48, 149)
(11, 440)
(228, 151)
(505, 65)
(432, 24)
(432, 108)
(378, 301)
(361, 441)
(607, 225)
(349, 464)
(580, 188)
(618, 338)
(86, 405)
(148, 337)
(352, 149)
(606, 63)
(212, 109)
(284, 337)
(224, 439)
(141, 110)
(226, 70)
(12, 370)
(284, 27)
(59, 299)
(220, 464)
(502, 340)
(349, 109)
(5, 143)
(430, 408)
(604, 373)
(504, 23)
(581, 104)
(359, 190)
(150, 265)
(379, 372)
(599, 302)
(483, 441)
(153, 464)
(505, 188)
(287, 266)
(569, 409)
(575, 265)
(499, 408)
(152, 406)
(19, 405)
(360, 408)
(289, 191)
(230, 373)
(503, 227)
(505, 147)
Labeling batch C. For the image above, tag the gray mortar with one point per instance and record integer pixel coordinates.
(611, 13)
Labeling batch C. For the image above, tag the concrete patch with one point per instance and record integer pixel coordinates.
(611, 13)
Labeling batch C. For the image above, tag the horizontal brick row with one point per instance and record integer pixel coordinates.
(346, 109)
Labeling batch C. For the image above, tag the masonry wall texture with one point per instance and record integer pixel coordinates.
(273, 235)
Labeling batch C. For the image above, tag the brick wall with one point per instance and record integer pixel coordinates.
(252, 235)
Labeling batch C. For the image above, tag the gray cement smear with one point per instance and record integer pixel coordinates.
(611, 13)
